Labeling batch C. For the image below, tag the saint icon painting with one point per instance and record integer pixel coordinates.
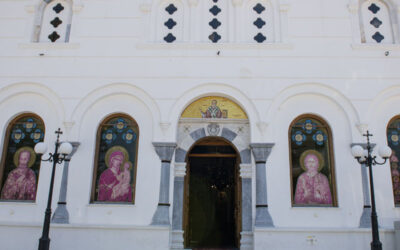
(20, 167)
(116, 157)
(21, 182)
(312, 166)
(312, 186)
(114, 183)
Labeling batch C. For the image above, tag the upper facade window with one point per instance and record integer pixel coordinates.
(218, 21)
(376, 22)
(393, 137)
(260, 21)
(115, 163)
(19, 165)
(170, 22)
(312, 167)
(53, 21)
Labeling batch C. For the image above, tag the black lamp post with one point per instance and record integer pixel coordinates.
(365, 158)
(60, 152)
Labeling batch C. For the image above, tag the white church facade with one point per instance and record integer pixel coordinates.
(199, 124)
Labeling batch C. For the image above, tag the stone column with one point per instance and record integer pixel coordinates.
(193, 20)
(365, 220)
(283, 11)
(165, 150)
(61, 213)
(177, 241)
(261, 152)
(397, 234)
(237, 7)
(246, 240)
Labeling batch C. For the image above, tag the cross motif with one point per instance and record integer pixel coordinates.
(368, 143)
(58, 132)
(186, 129)
(367, 134)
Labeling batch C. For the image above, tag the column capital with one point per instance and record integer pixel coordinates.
(165, 150)
(237, 3)
(284, 7)
(363, 145)
(353, 8)
(75, 146)
(193, 3)
(145, 7)
(261, 151)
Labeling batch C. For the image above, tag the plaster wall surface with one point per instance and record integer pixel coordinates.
(82, 237)
(111, 65)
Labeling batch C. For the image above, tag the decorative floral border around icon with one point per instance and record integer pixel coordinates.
(28, 130)
(309, 127)
(393, 137)
(111, 134)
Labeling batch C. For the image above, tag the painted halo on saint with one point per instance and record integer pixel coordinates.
(111, 152)
(32, 154)
(321, 160)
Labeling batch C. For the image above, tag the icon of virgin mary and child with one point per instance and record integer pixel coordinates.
(115, 182)
(312, 186)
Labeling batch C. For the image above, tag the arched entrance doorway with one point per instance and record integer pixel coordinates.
(212, 196)
(212, 123)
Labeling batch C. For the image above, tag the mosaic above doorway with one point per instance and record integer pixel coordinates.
(214, 107)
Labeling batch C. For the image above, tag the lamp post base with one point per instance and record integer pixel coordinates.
(376, 245)
(44, 244)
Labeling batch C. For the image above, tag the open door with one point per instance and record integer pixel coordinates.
(212, 207)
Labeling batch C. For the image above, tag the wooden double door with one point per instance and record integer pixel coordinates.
(212, 214)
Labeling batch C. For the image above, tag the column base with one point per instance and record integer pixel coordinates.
(365, 220)
(397, 234)
(263, 218)
(246, 241)
(61, 215)
(161, 216)
(177, 241)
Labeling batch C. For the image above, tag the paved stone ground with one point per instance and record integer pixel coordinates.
(215, 249)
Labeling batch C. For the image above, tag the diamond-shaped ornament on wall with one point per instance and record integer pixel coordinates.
(170, 23)
(259, 8)
(214, 37)
(259, 23)
(54, 36)
(171, 9)
(378, 37)
(376, 22)
(215, 10)
(260, 38)
(214, 23)
(55, 22)
(374, 8)
(58, 8)
(169, 38)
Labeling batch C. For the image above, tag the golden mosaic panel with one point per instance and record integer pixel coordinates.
(214, 107)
